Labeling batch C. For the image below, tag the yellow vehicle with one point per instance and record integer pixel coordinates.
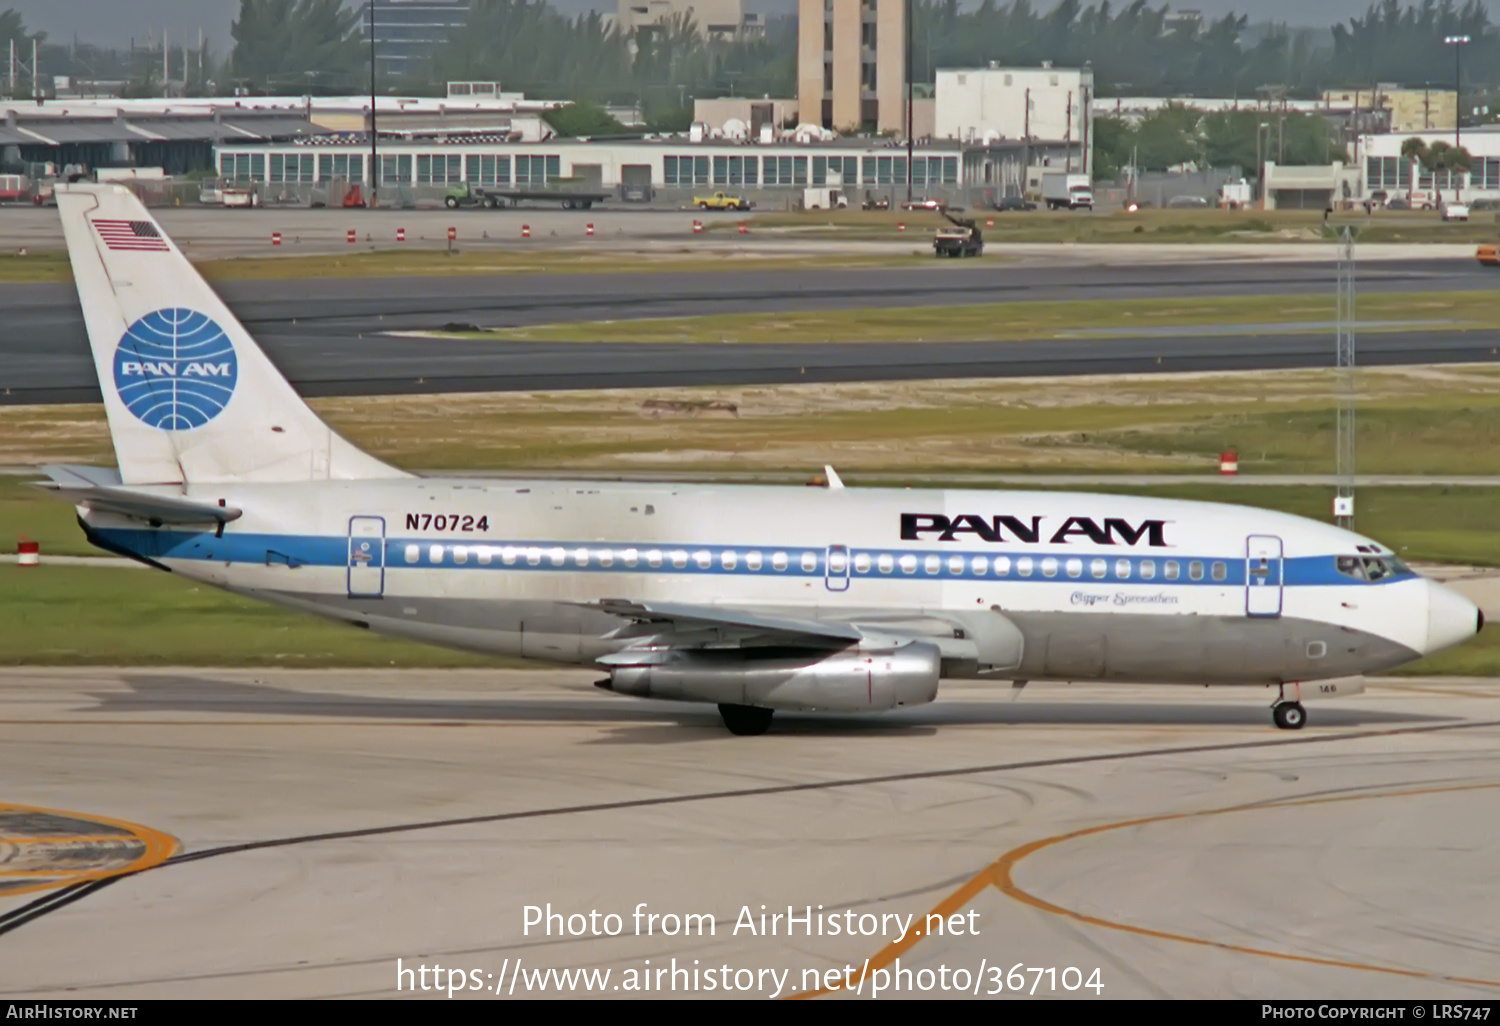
(721, 201)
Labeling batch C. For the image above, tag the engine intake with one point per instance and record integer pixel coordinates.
(848, 681)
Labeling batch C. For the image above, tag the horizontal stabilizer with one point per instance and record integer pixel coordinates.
(97, 488)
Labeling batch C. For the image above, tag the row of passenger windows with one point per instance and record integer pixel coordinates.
(809, 561)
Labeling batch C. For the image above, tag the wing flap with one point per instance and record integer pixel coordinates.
(699, 617)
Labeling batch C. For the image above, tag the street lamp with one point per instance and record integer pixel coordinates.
(1457, 42)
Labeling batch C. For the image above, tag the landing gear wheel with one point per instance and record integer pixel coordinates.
(746, 720)
(1289, 715)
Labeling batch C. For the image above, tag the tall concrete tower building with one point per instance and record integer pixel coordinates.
(851, 64)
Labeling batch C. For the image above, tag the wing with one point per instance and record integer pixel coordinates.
(717, 626)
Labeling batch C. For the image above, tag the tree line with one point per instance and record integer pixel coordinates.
(527, 45)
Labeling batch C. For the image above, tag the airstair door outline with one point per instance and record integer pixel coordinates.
(366, 557)
(836, 568)
(1263, 575)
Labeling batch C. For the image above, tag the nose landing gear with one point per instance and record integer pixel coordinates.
(1287, 712)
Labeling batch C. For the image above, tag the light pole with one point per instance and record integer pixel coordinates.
(374, 135)
(1457, 42)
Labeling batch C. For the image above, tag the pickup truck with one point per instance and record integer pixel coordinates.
(721, 201)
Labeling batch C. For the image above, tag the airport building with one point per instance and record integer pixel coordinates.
(1022, 118)
(407, 31)
(710, 19)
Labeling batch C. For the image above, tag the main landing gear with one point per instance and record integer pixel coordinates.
(1289, 715)
(1287, 711)
(745, 720)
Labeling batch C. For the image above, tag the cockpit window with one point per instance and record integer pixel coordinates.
(1371, 568)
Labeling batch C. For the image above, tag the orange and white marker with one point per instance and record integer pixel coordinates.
(697, 227)
(400, 234)
(275, 238)
(989, 222)
(900, 226)
(744, 228)
(352, 236)
(525, 231)
(28, 553)
(1229, 462)
(588, 229)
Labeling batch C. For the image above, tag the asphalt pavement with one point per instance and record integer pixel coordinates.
(330, 335)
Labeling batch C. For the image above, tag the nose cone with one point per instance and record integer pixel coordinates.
(1451, 618)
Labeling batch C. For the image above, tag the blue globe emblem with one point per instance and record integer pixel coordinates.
(175, 369)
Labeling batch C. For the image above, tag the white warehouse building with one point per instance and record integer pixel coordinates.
(1049, 110)
(1385, 170)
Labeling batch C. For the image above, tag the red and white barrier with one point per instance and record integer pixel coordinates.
(275, 238)
(352, 236)
(900, 226)
(452, 233)
(28, 553)
(1229, 462)
(400, 234)
(588, 229)
(744, 228)
(697, 227)
(525, 231)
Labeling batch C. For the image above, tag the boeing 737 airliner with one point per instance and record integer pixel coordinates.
(752, 598)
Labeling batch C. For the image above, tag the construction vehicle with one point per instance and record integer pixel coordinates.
(962, 239)
(466, 194)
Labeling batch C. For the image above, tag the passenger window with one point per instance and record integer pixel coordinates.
(1351, 566)
(932, 564)
(1023, 566)
(1075, 568)
(631, 557)
(779, 561)
(809, 562)
(509, 554)
(679, 558)
(862, 563)
(1122, 569)
(980, 565)
(908, 564)
(1002, 566)
(887, 562)
(729, 559)
(460, 554)
(1219, 571)
(606, 557)
(838, 561)
(581, 557)
(557, 556)
(1148, 569)
(1170, 570)
(704, 559)
(413, 553)
(653, 557)
(435, 554)
(1195, 570)
(1049, 567)
(1099, 567)
(753, 559)
(955, 564)
(484, 554)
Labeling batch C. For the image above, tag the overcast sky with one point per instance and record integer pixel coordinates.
(114, 22)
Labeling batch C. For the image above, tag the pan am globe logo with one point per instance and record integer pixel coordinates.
(175, 369)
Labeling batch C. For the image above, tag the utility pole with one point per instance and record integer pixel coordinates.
(166, 66)
(374, 135)
(36, 79)
(910, 24)
(1457, 42)
(1343, 503)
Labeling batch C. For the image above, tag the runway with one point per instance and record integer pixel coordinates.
(330, 823)
(329, 337)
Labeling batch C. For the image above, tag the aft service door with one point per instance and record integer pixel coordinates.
(836, 568)
(1263, 575)
(366, 557)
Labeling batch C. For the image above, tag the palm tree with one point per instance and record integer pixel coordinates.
(1437, 156)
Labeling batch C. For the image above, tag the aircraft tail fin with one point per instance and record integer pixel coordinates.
(190, 396)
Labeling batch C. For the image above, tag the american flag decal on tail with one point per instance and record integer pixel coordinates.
(131, 235)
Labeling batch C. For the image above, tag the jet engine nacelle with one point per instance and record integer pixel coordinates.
(849, 681)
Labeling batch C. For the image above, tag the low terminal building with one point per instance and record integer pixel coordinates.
(672, 169)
